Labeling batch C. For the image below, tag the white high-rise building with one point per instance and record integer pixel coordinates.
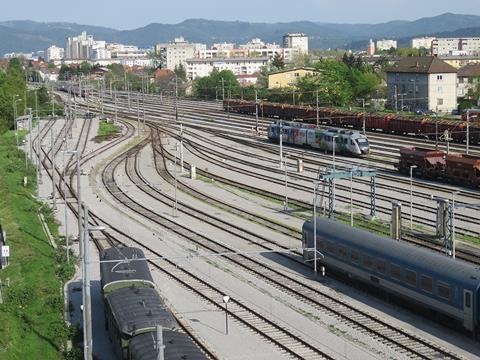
(456, 46)
(177, 52)
(423, 42)
(54, 53)
(78, 47)
(385, 44)
(296, 41)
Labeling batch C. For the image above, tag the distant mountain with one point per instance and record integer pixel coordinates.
(24, 35)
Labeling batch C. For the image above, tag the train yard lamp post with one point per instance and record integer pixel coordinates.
(256, 112)
(411, 195)
(285, 205)
(281, 148)
(159, 345)
(52, 150)
(143, 110)
(116, 118)
(87, 310)
(39, 164)
(15, 100)
(79, 197)
(226, 299)
(316, 184)
(138, 114)
(65, 198)
(30, 127)
(181, 149)
(176, 97)
(175, 204)
(318, 109)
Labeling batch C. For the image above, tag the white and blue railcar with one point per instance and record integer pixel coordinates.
(346, 141)
(428, 279)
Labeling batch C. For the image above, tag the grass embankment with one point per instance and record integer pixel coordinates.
(32, 322)
(106, 131)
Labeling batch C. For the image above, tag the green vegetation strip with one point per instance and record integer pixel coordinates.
(32, 320)
(107, 130)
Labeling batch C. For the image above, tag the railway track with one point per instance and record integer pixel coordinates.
(211, 156)
(107, 238)
(273, 332)
(384, 173)
(397, 339)
(414, 238)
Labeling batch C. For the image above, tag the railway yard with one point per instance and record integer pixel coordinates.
(233, 228)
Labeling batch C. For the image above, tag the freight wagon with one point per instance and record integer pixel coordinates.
(432, 164)
(386, 123)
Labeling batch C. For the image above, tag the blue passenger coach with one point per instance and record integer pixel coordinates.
(426, 278)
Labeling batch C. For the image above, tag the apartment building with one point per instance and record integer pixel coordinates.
(422, 83)
(54, 53)
(239, 66)
(296, 41)
(422, 42)
(456, 46)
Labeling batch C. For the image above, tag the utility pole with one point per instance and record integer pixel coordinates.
(281, 148)
(175, 205)
(436, 129)
(65, 199)
(181, 149)
(30, 128)
(318, 110)
(53, 171)
(256, 111)
(79, 201)
(159, 345)
(86, 290)
(138, 114)
(468, 132)
(116, 119)
(176, 97)
(39, 164)
(143, 105)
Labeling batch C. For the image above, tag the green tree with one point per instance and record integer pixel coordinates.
(85, 68)
(331, 81)
(278, 62)
(217, 84)
(339, 83)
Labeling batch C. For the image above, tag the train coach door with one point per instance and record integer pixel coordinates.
(467, 309)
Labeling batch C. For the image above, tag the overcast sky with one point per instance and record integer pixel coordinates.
(138, 13)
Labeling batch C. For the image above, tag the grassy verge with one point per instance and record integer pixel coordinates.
(106, 131)
(32, 315)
